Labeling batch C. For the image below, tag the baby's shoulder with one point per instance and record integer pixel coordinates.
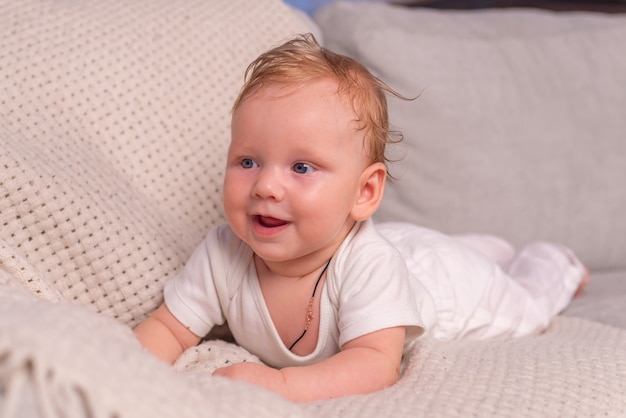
(366, 240)
(365, 255)
(224, 238)
(225, 248)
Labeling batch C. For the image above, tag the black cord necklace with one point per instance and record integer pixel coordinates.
(309, 315)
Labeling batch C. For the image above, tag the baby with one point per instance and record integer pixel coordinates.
(304, 279)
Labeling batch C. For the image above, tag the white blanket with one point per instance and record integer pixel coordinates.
(60, 360)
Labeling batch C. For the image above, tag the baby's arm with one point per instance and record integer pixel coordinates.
(164, 336)
(365, 364)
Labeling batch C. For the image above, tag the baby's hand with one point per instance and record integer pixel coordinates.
(256, 374)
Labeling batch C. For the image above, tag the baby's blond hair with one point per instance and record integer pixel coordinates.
(302, 59)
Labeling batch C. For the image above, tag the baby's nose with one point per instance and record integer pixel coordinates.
(269, 184)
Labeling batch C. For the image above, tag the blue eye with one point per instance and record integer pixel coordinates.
(302, 168)
(248, 163)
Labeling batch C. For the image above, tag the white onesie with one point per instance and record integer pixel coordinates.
(453, 288)
(366, 289)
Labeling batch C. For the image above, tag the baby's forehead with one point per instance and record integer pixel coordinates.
(323, 97)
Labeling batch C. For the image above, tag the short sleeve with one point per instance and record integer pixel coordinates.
(198, 295)
(373, 291)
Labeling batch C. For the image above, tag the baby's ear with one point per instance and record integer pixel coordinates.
(370, 193)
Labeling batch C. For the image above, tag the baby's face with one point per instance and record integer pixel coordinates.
(293, 171)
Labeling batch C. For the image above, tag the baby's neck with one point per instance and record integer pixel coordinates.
(295, 269)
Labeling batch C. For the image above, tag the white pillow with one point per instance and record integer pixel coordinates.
(519, 125)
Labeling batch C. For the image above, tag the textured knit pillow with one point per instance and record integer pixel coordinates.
(114, 121)
(519, 125)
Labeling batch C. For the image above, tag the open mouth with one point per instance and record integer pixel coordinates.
(269, 222)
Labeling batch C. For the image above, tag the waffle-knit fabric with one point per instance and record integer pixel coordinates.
(114, 124)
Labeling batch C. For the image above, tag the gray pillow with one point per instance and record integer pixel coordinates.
(519, 126)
